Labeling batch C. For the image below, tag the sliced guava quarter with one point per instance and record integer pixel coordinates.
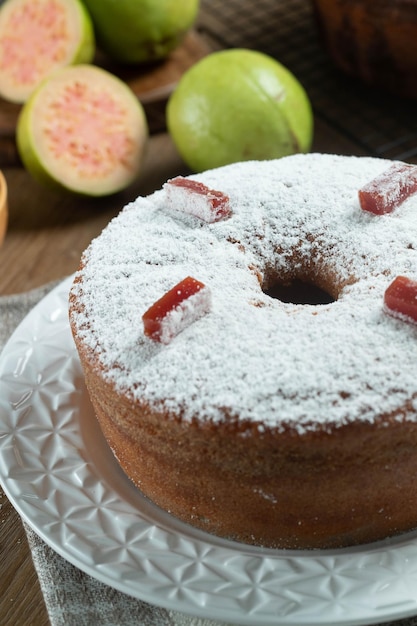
(36, 38)
(84, 130)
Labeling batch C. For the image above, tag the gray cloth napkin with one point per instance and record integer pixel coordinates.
(72, 597)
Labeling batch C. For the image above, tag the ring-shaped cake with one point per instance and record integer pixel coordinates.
(278, 423)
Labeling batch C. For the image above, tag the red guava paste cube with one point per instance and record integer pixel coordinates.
(179, 307)
(387, 191)
(400, 299)
(190, 196)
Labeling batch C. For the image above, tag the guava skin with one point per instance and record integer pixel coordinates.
(238, 105)
(87, 48)
(139, 31)
(4, 210)
(27, 152)
(87, 45)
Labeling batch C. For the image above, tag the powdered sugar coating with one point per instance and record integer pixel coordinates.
(196, 199)
(252, 356)
(388, 190)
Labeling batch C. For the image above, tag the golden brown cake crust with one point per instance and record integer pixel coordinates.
(329, 488)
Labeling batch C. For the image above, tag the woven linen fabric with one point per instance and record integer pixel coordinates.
(73, 598)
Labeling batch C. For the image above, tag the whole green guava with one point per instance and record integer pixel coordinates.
(137, 31)
(238, 105)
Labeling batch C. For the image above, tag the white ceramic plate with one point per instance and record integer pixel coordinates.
(60, 475)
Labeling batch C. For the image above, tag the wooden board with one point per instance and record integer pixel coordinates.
(152, 84)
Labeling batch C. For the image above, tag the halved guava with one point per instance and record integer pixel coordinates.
(3, 207)
(84, 130)
(36, 38)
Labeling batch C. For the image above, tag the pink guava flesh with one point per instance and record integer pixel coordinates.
(86, 128)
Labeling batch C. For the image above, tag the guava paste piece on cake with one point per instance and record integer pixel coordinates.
(400, 299)
(179, 307)
(387, 191)
(193, 197)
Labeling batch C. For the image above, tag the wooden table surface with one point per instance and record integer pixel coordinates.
(46, 235)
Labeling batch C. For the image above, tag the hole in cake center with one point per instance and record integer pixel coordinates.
(299, 292)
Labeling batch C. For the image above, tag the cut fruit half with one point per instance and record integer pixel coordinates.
(3, 207)
(84, 130)
(38, 37)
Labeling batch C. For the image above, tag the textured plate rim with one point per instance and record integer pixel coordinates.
(220, 579)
